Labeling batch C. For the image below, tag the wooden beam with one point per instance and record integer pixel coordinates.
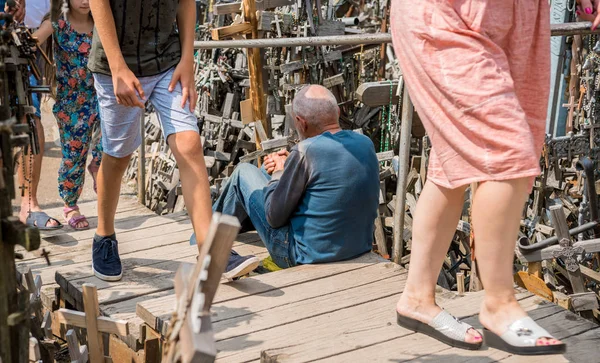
(231, 30)
(375, 94)
(105, 324)
(224, 9)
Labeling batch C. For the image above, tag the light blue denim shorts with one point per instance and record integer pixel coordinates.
(121, 124)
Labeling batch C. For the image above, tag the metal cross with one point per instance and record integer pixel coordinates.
(569, 254)
(22, 187)
(45, 255)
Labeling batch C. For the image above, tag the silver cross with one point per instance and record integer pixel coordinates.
(569, 254)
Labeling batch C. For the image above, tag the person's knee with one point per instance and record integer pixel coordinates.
(186, 145)
(114, 163)
(244, 170)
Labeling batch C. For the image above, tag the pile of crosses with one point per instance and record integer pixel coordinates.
(560, 230)
(226, 111)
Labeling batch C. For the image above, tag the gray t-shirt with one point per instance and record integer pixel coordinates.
(147, 35)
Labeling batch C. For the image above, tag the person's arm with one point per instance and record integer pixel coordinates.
(286, 189)
(184, 72)
(125, 82)
(43, 32)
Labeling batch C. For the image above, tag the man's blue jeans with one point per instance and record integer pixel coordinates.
(243, 196)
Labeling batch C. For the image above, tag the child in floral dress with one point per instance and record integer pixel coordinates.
(76, 107)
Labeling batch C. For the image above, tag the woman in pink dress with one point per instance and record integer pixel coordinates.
(478, 73)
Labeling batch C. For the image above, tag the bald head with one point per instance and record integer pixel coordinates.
(317, 106)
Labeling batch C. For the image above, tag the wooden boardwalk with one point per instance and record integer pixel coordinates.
(340, 312)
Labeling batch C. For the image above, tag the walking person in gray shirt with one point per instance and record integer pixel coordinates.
(144, 50)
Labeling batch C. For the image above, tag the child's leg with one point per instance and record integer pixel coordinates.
(180, 127)
(96, 147)
(120, 138)
(74, 140)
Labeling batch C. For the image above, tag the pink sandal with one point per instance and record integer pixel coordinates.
(93, 169)
(74, 221)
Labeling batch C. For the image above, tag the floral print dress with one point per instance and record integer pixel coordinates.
(76, 110)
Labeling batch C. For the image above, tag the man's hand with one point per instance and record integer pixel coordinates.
(275, 161)
(184, 73)
(127, 88)
(18, 11)
(589, 10)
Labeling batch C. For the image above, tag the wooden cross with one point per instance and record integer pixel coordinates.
(93, 323)
(277, 21)
(34, 287)
(45, 255)
(592, 128)
(78, 354)
(191, 338)
(571, 105)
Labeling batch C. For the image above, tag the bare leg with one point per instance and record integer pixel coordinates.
(109, 188)
(497, 209)
(437, 214)
(29, 201)
(187, 148)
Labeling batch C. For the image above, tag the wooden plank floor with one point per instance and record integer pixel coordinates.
(339, 312)
(151, 248)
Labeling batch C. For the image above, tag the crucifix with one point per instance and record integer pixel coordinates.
(93, 323)
(571, 106)
(78, 354)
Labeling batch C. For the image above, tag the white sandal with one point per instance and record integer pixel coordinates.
(521, 338)
(444, 327)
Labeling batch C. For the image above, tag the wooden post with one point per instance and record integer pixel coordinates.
(404, 151)
(474, 281)
(257, 94)
(460, 283)
(141, 179)
(382, 52)
(92, 311)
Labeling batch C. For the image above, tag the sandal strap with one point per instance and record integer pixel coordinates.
(70, 209)
(77, 219)
(524, 332)
(451, 327)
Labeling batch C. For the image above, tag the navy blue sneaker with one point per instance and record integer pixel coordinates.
(240, 265)
(105, 258)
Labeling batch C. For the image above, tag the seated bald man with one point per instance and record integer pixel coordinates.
(321, 201)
